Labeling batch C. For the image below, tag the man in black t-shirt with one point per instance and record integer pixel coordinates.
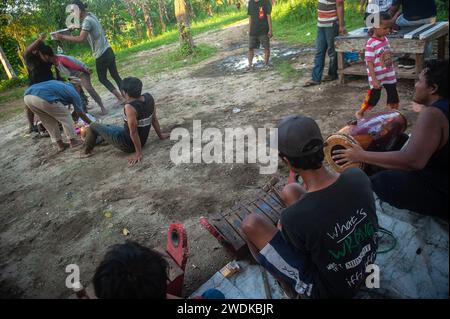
(260, 23)
(414, 13)
(326, 239)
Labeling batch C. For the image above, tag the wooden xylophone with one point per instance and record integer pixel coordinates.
(226, 226)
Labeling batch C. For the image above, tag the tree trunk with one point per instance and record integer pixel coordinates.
(148, 20)
(190, 9)
(182, 15)
(132, 12)
(210, 10)
(8, 69)
(161, 15)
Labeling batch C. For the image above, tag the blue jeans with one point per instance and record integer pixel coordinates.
(324, 43)
(112, 134)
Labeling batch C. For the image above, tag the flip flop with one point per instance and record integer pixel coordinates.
(310, 83)
(84, 155)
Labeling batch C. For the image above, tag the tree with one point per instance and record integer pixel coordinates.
(183, 23)
(131, 10)
(145, 6)
(161, 10)
(8, 69)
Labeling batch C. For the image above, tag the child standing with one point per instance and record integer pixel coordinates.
(380, 68)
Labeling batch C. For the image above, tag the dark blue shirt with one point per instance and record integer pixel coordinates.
(56, 91)
(417, 9)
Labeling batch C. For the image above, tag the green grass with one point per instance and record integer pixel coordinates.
(217, 22)
(11, 103)
(168, 61)
(287, 71)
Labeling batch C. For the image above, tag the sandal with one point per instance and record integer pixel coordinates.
(310, 83)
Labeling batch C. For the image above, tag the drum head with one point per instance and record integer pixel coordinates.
(338, 142)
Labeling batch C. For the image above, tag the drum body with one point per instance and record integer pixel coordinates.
(378, 133)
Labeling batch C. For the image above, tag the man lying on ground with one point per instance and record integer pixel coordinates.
(49, 101)
(327, 236)
(139, 115)
(416, 177)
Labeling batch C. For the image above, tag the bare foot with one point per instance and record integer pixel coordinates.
(62, 147)
(164, 136)
(75, 143)
(104, 111)
(359, 115)
(85, 155)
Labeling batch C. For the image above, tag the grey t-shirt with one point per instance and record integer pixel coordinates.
(96, 37)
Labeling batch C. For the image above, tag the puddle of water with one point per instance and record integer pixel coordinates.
(239, 63)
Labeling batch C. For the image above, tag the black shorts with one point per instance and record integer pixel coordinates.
(283, 262)
(255, 41)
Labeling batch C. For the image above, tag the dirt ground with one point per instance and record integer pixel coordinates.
(52, 210)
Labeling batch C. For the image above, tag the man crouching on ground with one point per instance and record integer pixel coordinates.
(139, 116)
(327, 237)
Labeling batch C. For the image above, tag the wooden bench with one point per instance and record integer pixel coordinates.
(412, 40)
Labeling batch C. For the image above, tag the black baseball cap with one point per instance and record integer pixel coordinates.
(295, 132)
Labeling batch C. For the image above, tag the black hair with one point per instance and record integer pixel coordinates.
(132, 86)
(46, 50)
(385, 16)
(436, 74)
(131, 271)
(80, 5)
(311, 161)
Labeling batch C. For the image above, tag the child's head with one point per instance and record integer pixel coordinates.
(131, 271)
(131, 87)
(385, 25)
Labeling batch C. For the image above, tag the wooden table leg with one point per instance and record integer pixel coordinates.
(340, 56)
(420, 58)
(441, 48)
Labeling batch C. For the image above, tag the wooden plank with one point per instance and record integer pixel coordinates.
(420, 59)
(267, 210)
(236, 223)
(228, 233)
(398, 45)
(360, 69)
(340, 57)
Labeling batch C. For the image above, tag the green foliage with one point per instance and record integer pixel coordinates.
(287, 71)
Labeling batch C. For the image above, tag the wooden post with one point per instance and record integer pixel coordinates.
(420, 59)
(340, 56)
(441, 47)
(182, 15)
(8, 69)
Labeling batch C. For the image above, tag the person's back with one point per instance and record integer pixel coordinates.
(335, 228)
(417, 10)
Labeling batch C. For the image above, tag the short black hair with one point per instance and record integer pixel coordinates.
(384, 16)
(311, 161)
(80, 5)
(436, 74)
(131, 271)
(132, 86)
(45, 49)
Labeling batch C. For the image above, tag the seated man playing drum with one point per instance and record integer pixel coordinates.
(325, 238)
(416, 177)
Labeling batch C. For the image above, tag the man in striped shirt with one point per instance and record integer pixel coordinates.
(330, 23)
(380, 68)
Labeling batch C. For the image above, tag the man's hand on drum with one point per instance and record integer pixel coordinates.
(349, 155)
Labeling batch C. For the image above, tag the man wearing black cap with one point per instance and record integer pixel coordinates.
(327, 238)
